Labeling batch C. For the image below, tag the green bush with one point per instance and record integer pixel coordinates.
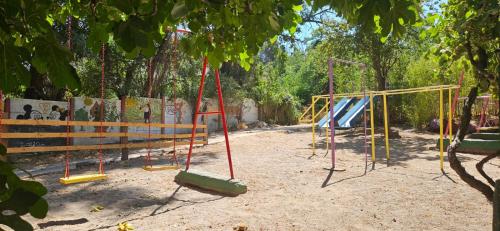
(420, 108)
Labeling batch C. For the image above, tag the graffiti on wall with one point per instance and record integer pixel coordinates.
(27, 109)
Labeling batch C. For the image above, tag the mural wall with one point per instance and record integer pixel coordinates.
(236, 112)
(89, 109)
(182, 115)
(138, 110)
(28, 109)
(143, 110)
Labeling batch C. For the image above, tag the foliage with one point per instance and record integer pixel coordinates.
(19, 197)
(223, 30)
(421, 108)
(385, 15)
(469, 29)
(27, 41)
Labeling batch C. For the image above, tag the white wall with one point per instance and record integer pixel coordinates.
(249, 111)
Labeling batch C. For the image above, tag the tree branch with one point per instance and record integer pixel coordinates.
(479, 167)
(455, 163)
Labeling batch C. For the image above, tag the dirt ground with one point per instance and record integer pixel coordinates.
(288, 189)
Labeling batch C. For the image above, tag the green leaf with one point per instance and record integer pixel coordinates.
(39, 209)
(468, 14)
(131, 34)
(54, 58)
(297, 8)
(15, 222)
(273, 21)
(179, 10)
(383, 39)
(272, 40)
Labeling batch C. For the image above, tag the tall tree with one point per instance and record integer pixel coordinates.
(470, 29)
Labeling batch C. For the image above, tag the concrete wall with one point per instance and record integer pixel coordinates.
(249, 111)
(88, 109)
(236, 112)
(135, 113)
(179, 113)
(25, 109)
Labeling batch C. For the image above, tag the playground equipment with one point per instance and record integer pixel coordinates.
(148, 166)
(354, 114)
(341, 107)
(204, 180)
(68, 179)
(99, 134)
(384, 95)
(339, 110)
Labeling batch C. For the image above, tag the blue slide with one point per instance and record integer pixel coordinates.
(338, 110)
(355, 114)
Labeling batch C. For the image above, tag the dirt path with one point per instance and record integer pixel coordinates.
(288, 190)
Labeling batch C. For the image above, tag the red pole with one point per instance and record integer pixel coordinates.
(198, 102)
(224, 123)
(101, 113)
(483, 112)
(455, 100)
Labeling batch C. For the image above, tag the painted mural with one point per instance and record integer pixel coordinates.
(181, 115)
(28, 109)
(138, 110)
(38, 109)
(89, 109)
(143, 110)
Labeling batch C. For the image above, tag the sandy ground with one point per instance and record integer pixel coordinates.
(287, 190)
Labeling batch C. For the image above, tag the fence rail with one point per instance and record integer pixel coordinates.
(124, 144)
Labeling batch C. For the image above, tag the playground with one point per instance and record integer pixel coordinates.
(249, 115)
(287, 189)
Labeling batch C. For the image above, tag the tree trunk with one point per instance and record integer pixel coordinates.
(455, 163)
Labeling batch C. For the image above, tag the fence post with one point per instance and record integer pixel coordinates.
(124, 129)
(71, 117)
(496, 207)
(205, 130)
(5, 114)
(163, 114)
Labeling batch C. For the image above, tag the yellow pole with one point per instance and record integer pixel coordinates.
(313, 125)
(441, 146)
(372, 128)
(326, 129)
(386, 128)
(450, 117)
(327, 138)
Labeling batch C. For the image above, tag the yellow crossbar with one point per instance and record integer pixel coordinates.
(82, 178)
(394, 92)
(161, 168)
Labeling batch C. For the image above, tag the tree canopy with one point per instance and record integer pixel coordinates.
(222, 30)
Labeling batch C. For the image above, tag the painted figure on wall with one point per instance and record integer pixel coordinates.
(177, 107)
(29, 113)
(58, 113)
(147, 112)
(81, 115)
